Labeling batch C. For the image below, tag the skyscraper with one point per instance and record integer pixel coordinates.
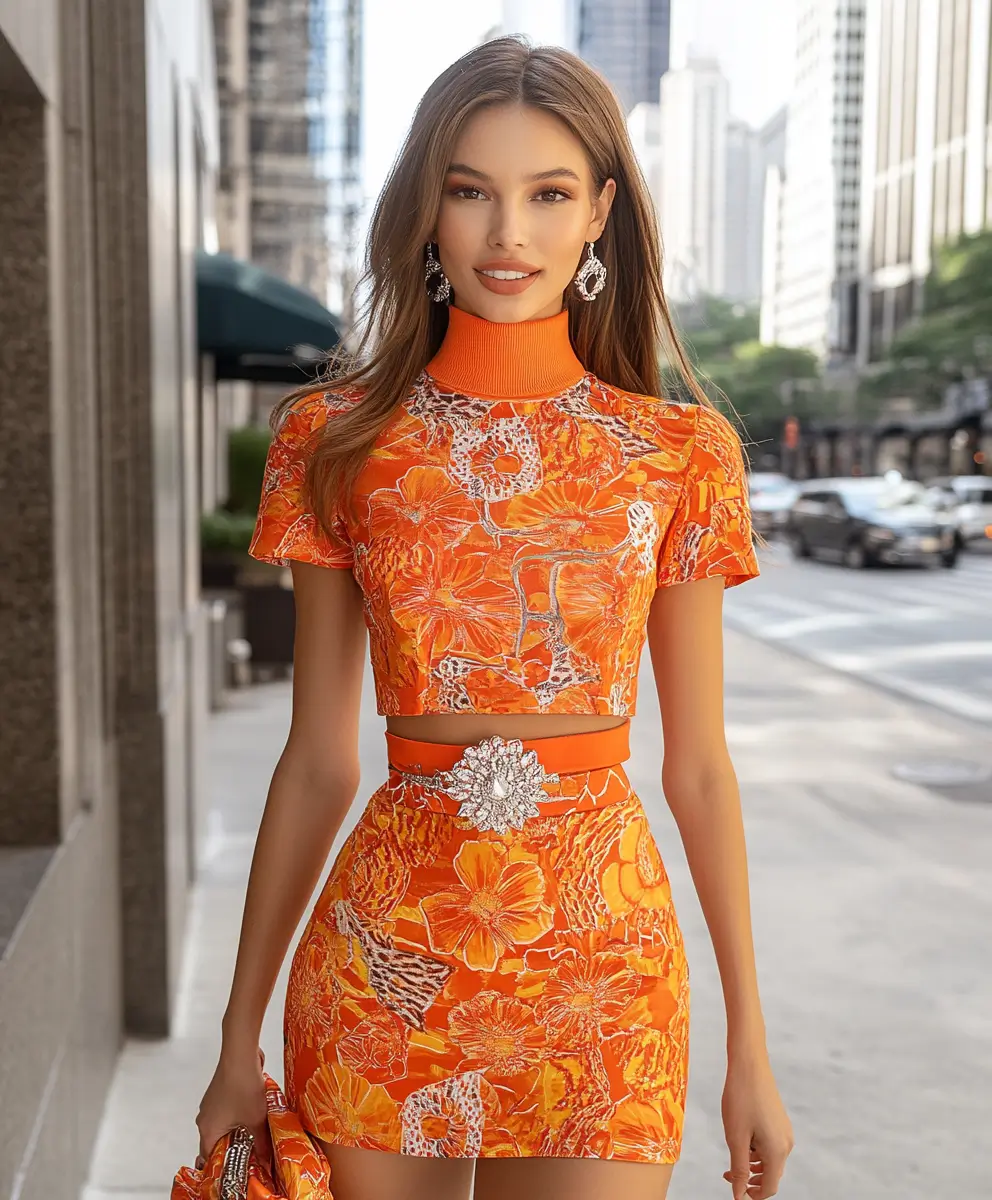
(692, 200)
(751, 154)
(627, 41)
(819, 212)
(926, 164)
(289, 85)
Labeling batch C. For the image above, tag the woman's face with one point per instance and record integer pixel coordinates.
(519, 197)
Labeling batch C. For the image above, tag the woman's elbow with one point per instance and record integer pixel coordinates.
(319, 773)
(695, 782)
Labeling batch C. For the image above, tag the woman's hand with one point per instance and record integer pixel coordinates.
(757, 1127)
(235, 1096)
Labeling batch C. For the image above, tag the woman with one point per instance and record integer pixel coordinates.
(492, 982)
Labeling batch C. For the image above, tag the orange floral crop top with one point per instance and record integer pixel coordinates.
(513, 521)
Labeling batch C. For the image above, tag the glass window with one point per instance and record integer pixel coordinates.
(959, 71)
(939, 227)
(988, 184)
(955, 195)
(909, 80)
(902, 305)
(878, 232)
(906, 219)
(942, 128)
(876, 326)
(884, 86)
(892, 222)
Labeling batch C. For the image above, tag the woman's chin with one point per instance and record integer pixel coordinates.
(522, 307)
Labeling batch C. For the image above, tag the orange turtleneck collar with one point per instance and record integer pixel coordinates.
(506, 360)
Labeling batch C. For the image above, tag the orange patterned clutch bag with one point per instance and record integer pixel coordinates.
(299, 1169)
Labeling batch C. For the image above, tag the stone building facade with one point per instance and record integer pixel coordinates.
(107, 156)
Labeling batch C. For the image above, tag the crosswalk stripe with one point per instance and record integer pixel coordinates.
(894, 656)
(886, 627)
(953, 700)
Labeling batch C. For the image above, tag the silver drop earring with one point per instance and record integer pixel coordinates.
(591, 278)
(437, 283)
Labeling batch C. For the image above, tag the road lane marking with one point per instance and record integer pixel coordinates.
(826, 620)
(792, 605)
(900, 655)
(953, 700)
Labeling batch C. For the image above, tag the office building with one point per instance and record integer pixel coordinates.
(743, 221)
(344, 153)
(811, 302)
(772, 139)
(644, 127)
(289, 80)
(108, 150)
(692, 201)
(627, 41)
(926, 163)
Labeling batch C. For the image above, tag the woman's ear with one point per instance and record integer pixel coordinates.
(601, 210)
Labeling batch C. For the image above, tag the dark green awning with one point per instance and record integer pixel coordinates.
(257, 325)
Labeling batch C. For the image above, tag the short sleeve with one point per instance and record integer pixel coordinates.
(710, 532)
(286, 529)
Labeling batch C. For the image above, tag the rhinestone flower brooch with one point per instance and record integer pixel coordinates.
(497, 784)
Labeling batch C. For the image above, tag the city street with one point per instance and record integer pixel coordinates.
(926, 634)
(872, 902)
(238, 192)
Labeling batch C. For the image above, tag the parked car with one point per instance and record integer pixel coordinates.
(969, 499)
(865, 521)
(771, 496)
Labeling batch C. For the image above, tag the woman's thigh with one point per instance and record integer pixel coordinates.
(570, 1179)
(380, 1175)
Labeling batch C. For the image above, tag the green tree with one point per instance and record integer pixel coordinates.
(714, 326)
(952, 338)
(756, 385)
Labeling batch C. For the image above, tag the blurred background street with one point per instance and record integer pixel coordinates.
(925, 634)
(185, 188)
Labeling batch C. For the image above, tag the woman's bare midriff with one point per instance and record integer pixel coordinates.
(462, 729)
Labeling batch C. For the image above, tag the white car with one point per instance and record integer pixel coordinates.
(971, 496)
(771, 497)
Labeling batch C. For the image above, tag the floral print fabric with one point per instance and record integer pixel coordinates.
(508, 550)
(467, 994)
(295, 1170)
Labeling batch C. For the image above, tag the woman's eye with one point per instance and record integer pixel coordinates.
(460, 191)
(555, 195)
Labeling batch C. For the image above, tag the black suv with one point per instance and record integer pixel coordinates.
(865, 521)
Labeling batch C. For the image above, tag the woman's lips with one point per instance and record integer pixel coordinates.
(507, 287)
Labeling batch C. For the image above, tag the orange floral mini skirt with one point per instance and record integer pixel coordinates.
(494, 967)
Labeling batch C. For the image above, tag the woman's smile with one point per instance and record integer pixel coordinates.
(509, 279)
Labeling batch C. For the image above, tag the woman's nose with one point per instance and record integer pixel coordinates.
(509, 227)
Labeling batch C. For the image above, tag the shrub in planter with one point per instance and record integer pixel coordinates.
(223, 532)
(246, 451)
(224, 541)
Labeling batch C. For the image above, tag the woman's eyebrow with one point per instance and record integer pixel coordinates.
(556, 173)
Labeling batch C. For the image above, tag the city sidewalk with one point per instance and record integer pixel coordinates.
(871, 900)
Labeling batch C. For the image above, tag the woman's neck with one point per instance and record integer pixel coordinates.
(506, 359)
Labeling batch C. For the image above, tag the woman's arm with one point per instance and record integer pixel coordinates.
(685, 633)
(312, 787)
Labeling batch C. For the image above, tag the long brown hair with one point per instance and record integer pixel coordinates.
(617, 338)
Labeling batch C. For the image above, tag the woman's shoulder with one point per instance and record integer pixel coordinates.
(656, 417)
(699, 423)
(311, 410)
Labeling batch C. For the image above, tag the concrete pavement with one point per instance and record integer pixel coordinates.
(871, 904)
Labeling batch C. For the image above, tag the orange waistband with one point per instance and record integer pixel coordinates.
(567, 754)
